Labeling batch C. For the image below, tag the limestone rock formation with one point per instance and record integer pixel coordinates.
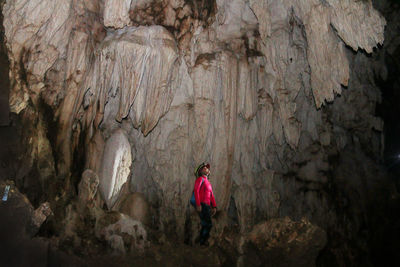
(142, 91)
(116, 13)
(122, 232)
(31, 219)
(115, 169)
(286, 243)
(41, 214)
(135, 206)
(87, 188)
(145, 57)
(20, 224)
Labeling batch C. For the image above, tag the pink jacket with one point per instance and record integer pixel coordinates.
(205, 195)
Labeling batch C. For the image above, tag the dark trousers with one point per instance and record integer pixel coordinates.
(206, 223)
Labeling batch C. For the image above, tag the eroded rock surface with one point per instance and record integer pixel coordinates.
(115, 169)
(142, 91)
(135, 206)
(116, 13)
(122, 232)
(20, 223)
(40, 214)
(87, 188)
(286, 243)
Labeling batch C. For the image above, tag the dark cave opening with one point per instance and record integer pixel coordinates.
(384, 242)
(389, 110)
(389, 83)
(7, 132)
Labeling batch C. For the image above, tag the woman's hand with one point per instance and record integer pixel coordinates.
(198, 208)
(213, 211)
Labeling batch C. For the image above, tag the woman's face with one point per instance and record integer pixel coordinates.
(205, 171)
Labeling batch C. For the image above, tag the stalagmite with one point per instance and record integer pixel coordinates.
(115, 170)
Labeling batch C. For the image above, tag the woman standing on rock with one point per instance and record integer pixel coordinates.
(205, 201)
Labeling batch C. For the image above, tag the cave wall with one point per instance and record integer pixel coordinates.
(4, 79)
(276, 95)
(387, 76)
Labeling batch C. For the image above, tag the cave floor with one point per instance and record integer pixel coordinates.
(19, 248)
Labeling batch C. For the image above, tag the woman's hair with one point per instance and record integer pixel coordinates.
(199, 171)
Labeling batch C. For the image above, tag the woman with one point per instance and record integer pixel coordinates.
(205, 201)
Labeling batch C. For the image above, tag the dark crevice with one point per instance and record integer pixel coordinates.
(384, 241)
(389, 110)
(233, 214)
(203, 9)
(51, 129)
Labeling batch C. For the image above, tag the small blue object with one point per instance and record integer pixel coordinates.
(5, 196)
(193, 199)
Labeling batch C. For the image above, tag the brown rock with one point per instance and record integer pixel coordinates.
(41, 214)
(136, 206)
(87, 188)
(122, 232)
(116, 13)
(283, 242)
